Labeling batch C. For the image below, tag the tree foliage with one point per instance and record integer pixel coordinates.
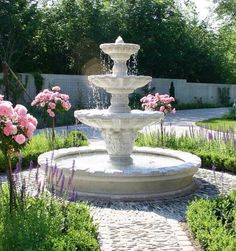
(62, 37)
(19, 21)
(226, 11)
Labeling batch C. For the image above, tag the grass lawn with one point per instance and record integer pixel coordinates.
(218, 124)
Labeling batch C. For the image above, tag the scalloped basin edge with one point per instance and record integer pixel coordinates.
(134, 184)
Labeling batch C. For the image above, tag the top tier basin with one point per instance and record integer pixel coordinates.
(119, 51)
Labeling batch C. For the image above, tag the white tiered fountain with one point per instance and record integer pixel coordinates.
(121, 171)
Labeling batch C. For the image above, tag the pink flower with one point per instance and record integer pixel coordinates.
(23, 121)
(6, 131)
(9, 128)
(66, 105)
(29, 134)
(162, 108)
(31, 127)
(158, 102)
(6, 109)
(56, 88)
(65, 97)
(49, 100)
(52, 105)
(1, 97)
(32, 120)
(21, 110)
(51, 113)
(20, 139)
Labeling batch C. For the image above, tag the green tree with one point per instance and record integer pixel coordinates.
(19, 21)
(69, 35)
(226, 11)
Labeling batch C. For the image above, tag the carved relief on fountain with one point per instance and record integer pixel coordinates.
(119, 145)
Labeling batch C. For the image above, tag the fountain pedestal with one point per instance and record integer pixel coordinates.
(119, 146)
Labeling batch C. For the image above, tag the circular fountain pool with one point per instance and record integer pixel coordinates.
(154, 173)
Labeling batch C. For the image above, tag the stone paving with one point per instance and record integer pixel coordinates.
(157, 224)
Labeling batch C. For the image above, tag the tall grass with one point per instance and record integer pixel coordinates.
(214, 148)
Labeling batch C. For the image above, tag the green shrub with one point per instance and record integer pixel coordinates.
(197, 105)
(231, 114)
(213, 222)
(219, 153)
(46, 223)
(75, 138)
(41, 143)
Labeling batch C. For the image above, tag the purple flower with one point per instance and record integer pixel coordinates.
(234, 142)
(18, 168)
(62, 185)
(37, 174)
(31, 165)
(46, 167)
(73, 195)
(210, 136)
(59, 178)
(53, 173)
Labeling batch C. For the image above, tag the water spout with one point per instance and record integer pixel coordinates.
(119, 40)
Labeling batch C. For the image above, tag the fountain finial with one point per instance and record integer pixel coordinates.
(119, 40)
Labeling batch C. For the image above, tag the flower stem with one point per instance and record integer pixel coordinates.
(162, 132)
(53, 130)
(12, 192)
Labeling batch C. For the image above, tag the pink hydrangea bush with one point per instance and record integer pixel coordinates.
(158, 102)
(52, 101)
(16, 126)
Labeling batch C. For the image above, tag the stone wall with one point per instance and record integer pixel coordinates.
(83, 95)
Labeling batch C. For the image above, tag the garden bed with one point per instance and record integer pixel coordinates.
(41, 143)
(45, 223)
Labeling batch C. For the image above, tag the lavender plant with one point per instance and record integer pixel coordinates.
(43, 220)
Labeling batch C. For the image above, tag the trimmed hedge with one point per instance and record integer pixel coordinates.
(213, 222)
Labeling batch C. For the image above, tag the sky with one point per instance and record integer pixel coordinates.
(203, 7)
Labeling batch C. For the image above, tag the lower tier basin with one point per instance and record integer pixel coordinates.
(155, 172)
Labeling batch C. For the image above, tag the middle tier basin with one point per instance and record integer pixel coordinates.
(103, 119)
(119, 130)
(119, 85)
